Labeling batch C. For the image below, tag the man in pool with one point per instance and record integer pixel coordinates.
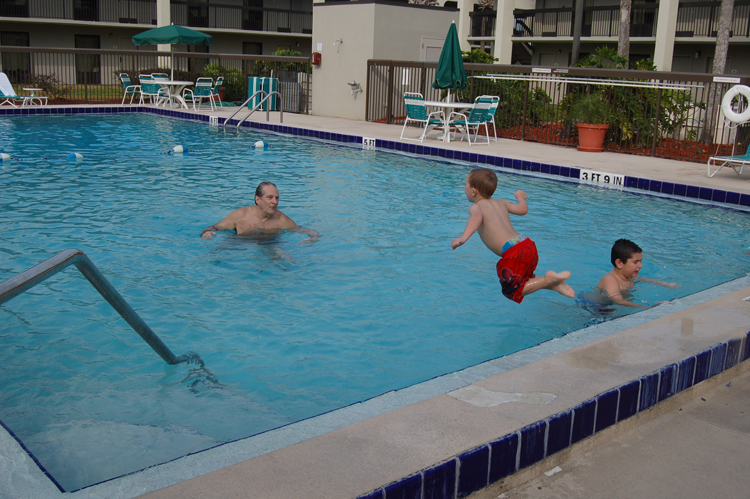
(627, 260)
(518, 255)
(264, 216)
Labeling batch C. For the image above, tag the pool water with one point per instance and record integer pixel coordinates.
(289, 329)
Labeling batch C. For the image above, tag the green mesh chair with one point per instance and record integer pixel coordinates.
(130, 89)
(476, 119)
(416, 112)
(203, 90)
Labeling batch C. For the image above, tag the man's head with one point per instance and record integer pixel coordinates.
(267, 197)
(483, 180)
(624, 250)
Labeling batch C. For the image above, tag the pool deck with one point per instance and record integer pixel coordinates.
(615, 391)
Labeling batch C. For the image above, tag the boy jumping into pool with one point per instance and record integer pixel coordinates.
(627, 260)
(518, 255)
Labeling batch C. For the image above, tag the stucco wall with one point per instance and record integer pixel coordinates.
(368, 31)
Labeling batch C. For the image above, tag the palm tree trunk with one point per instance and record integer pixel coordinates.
(720, 63)
(623, 43)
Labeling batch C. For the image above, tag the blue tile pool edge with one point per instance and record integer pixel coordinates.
(541, 439)
(644, 185)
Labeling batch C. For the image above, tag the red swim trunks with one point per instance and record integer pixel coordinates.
(517, 266)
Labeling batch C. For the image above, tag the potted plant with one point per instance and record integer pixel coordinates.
(591, 114)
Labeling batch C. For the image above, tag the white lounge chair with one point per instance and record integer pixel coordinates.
(416, 111)
(153, 90)
(7, 94)
(736, 163)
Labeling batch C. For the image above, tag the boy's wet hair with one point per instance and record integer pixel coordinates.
(623, 249)
(484, 181)
(261, 187)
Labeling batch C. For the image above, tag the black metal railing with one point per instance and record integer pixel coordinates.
(91, 76)
(228, 16)
(597, 21)
(483, 23)
(702, 19)
(678, 118)
(213, 14)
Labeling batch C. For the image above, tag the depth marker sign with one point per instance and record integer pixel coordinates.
(593, 177)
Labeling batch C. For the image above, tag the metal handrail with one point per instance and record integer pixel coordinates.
(35, 275)
(268, 108)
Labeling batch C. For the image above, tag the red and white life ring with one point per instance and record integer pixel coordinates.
(726, 104)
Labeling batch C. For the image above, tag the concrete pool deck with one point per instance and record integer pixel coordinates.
(441, 435)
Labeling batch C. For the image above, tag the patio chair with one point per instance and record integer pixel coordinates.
(416, 111)
(215, 91)
(490, 118)
(476, 118)
(736, 163)
(152, 90)
(7, 94)
(203, 90)
(130, 89)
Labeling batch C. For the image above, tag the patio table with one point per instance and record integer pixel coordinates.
(446, 114)
(174, 91)
(29, 99)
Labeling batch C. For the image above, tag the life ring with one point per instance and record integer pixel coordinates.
(726, 104)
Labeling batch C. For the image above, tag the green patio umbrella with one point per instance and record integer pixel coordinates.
(170, 35)
(450, 72)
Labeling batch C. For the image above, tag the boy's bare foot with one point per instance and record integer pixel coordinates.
(557, 283)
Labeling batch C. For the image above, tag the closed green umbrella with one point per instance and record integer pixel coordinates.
(450, 72)
(170, 35)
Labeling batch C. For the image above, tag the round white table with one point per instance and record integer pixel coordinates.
(174, 91)
(446, 106)
(29, 99)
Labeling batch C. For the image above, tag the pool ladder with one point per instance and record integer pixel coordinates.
(35, 275)
(257, 106)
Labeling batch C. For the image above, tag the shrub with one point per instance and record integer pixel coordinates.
(235, 81)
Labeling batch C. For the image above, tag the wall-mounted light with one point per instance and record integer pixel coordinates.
(356, 88)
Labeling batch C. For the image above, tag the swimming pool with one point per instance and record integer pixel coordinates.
(290, 330)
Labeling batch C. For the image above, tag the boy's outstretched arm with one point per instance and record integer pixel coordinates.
(660, 283)
(520, 207)
(475, 221)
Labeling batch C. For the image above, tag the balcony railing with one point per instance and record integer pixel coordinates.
(227, 16)
(693, 19)
(108, 11)
(483, 23)
(183, 12)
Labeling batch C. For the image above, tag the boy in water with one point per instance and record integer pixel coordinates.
(627, 259)
(518, 256)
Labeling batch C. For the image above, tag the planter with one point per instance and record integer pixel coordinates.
(591, 137)
(221, 94)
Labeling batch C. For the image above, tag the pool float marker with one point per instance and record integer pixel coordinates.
(261, 143)
(74, 156)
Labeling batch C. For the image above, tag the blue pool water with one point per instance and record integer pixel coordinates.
(289, 329)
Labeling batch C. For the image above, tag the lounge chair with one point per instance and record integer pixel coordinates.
(476, 118)
(151, 89)
(130, 89)
(737, 163)
(7, 94)
(203, 90)
(416, 111)
(217, 87)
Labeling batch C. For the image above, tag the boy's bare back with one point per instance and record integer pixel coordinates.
(496, 228)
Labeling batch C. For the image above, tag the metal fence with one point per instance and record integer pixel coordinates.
(91, 76)
(661, 114)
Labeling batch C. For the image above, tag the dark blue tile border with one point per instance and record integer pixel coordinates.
(534, 442)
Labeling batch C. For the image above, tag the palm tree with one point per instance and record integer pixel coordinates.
(623, 42)
(720, 63)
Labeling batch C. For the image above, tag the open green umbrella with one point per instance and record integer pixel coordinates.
(450, 72)
(170, 35)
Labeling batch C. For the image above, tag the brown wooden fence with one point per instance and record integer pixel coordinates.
(91, 76)
(677, 122)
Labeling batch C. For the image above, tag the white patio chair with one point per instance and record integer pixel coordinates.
(416, 111)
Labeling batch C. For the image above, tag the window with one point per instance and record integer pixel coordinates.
(86, 10)
(88, 67)
(14, 8)
(252, 15)
(16, 65)
(198, 14)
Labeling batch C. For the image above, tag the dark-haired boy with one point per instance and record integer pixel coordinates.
(518, 255)
(627, 259)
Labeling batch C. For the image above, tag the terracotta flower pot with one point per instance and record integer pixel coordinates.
(591, 137)
(221, 93)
